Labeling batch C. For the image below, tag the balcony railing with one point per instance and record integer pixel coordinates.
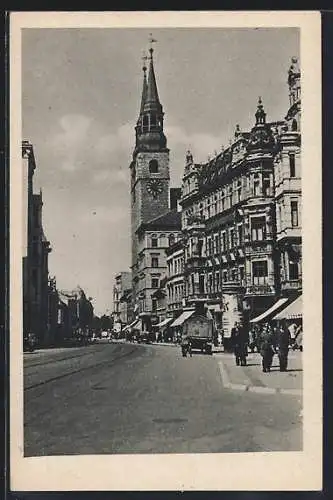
(291, 285)
(265, 289)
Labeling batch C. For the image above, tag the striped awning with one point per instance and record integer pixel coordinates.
(165, 322)
(269, 311)
(132, 325)
(182, 318)
(292, 311)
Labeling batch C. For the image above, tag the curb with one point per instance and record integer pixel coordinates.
(254, 388)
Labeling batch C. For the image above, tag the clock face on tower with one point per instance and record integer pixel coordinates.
(155, 187)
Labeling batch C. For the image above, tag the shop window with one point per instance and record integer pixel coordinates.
(153, 166)
(294, 213)
(293, 270)
(292, 165)
(258, 228)
(259, 272)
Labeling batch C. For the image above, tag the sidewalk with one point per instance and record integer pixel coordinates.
(252, 378)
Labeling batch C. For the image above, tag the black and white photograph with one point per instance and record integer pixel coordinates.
(167, 250)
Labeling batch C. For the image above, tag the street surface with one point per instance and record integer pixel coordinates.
(129, 398)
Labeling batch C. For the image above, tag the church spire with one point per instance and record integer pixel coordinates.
(152, 99)
(149, 128)
(144, 86)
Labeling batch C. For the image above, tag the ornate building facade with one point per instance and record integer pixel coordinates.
(241, 219)
(154, 225)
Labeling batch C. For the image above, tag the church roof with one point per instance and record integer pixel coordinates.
(152, 98)
(170, 220)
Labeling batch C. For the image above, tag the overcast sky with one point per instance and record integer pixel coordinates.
(81, 96)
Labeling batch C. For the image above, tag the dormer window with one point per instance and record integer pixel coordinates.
(153, 166)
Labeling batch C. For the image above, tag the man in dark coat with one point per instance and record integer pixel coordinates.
(266, 348)
(283, 342)
(239, 340)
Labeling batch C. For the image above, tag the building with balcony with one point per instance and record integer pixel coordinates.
(154, 238)
(288, 190)
(175, 279)
(241, 219)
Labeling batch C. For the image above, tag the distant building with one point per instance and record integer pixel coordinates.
(121, 297)
(35, 253)
(175, 279)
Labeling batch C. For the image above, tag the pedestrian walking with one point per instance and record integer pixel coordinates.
(283, 346)
(239, 341)
(186, 346)
(266, 348)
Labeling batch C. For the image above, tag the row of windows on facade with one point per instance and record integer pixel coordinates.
(176, 266)
(175, 292)
(233, 237)
(213, 282)
(257, 184)
(156, 240)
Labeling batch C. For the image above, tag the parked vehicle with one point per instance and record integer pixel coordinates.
(199, 330)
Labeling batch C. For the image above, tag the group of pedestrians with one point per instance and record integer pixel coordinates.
(268, 340)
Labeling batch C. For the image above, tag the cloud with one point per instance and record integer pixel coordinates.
(69, 141)
(201, 144)
(121, 140)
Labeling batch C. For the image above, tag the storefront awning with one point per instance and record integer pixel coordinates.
(214, 307)
(182, 318)
(132, 325)
(269, 311)
(292, 311)
(165, 322)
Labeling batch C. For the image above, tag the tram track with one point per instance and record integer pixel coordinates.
(79, 370)
(65, 358)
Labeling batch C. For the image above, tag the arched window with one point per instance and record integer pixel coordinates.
(153, 166)
(294, 126)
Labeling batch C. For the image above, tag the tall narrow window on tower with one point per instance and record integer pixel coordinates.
(292, 165)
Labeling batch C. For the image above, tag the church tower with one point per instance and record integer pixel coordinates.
(150, 176)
